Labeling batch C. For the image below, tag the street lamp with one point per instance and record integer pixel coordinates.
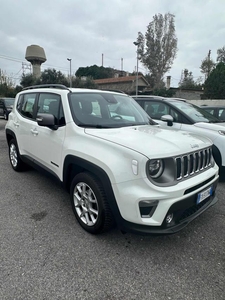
(137, 44)
(69, 59)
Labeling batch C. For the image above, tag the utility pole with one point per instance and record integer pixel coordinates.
(121, 72)
(70, 59)
(137, 44)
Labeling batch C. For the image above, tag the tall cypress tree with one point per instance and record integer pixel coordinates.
(214, 87)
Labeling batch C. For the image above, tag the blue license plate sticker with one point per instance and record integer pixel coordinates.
(204, 194)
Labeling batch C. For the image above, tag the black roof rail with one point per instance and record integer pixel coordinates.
(53, 85)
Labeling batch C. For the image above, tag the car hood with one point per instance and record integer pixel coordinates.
(211, 126)
(152, 141)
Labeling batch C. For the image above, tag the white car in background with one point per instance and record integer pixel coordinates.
(178, 114)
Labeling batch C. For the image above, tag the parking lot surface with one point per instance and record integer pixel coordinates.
(45, 254)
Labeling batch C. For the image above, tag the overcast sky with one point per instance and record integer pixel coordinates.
(83, 30)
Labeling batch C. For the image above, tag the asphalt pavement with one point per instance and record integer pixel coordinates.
(45, 254)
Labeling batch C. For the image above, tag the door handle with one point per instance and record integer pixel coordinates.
(34, 131)
(16, 124)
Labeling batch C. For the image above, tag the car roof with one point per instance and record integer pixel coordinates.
(152, 97)
(60, 87)
(212, 106)
(148, 97)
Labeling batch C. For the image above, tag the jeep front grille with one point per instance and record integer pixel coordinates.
(193, 163)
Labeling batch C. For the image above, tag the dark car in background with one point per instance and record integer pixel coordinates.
(6, 105)
(216, 111)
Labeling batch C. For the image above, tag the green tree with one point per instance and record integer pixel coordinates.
(28, 80)
(157, 49)
(47, 76)
(6, 90)
(152, 82)
(188, 81)
(80, 83)
(6, 85)
(207, 65)
(221, 54)
(95, 72)
(214, 87)
(53, 76)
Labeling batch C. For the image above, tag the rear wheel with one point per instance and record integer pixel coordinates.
(14, 156)
(89, 204)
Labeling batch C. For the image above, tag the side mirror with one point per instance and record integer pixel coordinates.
(168, 119)
(47, 120)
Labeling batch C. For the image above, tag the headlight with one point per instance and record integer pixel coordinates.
(155, 168)
(222, 132)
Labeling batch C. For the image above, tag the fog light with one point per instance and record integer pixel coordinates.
(169, 218)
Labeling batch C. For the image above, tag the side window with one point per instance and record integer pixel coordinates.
(26, 105)
(156, 109)
(210, 110)
(222, 114)
(162, 109)
(19, 104)
(149, 107)
(176, 116)
(221, 111)
(51, 104)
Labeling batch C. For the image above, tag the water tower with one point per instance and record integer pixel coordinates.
(36, 56)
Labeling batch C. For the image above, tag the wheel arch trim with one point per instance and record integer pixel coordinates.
(74, 165)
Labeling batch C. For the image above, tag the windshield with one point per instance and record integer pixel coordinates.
(197, 114)
(9, 102)
(106, 110)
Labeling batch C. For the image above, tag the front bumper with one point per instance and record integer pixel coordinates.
(184, 212)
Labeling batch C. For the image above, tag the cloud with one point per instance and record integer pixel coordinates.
(92, 32)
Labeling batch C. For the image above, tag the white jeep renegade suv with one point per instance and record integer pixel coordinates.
(118, 164)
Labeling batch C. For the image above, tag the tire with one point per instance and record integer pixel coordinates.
(89, 204)
(14, 157)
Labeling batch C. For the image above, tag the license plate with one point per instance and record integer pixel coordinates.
(204, 194)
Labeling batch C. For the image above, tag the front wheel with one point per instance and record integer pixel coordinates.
(14, 156)
(89, 204)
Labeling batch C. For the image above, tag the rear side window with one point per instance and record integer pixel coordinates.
(222, 113)
(25, 105)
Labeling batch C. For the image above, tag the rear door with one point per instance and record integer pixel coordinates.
(23, 121)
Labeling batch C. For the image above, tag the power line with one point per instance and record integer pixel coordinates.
(23, 61)
(11, 58)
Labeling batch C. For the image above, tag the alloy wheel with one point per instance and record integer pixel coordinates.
(85, 203)
(13, 155)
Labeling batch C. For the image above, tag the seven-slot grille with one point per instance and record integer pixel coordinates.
(193, 163)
